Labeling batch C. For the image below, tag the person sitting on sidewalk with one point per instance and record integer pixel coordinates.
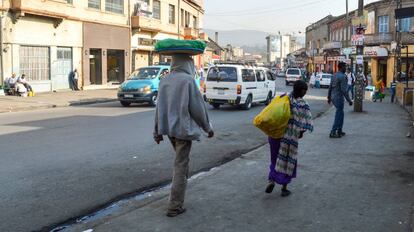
(179, 114)
(10, 84)
(338, 92)
(24, 82)
(284, 151)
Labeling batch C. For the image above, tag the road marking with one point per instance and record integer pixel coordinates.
(4, 130)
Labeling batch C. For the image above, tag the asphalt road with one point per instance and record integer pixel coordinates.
(59, 164)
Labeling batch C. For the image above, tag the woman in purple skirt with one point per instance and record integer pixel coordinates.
(283, 151)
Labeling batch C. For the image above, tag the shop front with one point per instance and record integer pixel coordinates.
(319, 63)
(379, 64)
(106, 54)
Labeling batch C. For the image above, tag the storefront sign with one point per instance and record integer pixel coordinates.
(332, 45)
(336, 58)
(357, 40)
(146, 42)
(319, 60)
(375, 52)
(348, 51)
(359, 59)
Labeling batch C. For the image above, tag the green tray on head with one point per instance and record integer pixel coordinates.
(175, 46)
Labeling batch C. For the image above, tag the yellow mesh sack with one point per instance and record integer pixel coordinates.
(273, 119)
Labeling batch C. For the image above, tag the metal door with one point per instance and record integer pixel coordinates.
(63, 68)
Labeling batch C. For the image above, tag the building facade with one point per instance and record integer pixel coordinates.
(380, 38)
(153, 20)
(46, 40)
(317, 35)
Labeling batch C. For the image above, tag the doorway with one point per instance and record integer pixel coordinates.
(95, 66)
(116, 66)
(382, 71)
(63, 68)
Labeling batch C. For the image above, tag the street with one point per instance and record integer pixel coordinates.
(59, 164)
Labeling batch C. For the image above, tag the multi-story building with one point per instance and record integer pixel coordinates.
(380, 35)
(317, 35)
(47, 39)
(154, 20)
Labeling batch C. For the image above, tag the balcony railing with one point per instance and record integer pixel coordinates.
(377, 39)
(407, 38)
(191, 33)
(145, 23)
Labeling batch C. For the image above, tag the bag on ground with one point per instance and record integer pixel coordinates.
(273, 119)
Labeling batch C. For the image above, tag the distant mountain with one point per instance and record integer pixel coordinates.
(239, 38)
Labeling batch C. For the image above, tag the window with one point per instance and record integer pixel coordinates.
(114, 6)
(270, 76)
(383, 24)
(182, 18)
(35, 63)
(260, 76)
(248, 75)
(172, 14)
(145, 74)
(187, 19)
(156, 9)
(224, 74)
(96, 4)
(195, 22)
(69, 1)
(405, 25)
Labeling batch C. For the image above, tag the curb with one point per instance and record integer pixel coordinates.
(78, 103)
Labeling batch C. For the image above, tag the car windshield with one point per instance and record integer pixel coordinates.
(293, 72)
(145, 73)
(326, 76)
(225, 74)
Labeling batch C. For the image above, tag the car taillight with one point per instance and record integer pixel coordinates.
(205, 88)
(239, 89)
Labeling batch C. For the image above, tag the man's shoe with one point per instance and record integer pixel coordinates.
(341, 133)
(175, 212)
(334, 135)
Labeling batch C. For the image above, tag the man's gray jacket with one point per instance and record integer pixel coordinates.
(181, 110)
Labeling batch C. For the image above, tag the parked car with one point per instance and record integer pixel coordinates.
(239, 85)
(324, 79)
(142, 85)
(293, 74)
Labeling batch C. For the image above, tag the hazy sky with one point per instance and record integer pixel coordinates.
(287, 16)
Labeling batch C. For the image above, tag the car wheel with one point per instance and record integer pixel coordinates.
(268, 99)
(248, 104)
(287, 83)
(154, 99)
(215, 105)
(125, 104)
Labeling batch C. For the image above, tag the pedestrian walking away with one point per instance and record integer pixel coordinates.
(351, 82)
(180, 113)
(283, 151)
(73, 80)
(338, 92)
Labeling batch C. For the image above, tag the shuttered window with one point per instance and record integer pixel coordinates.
(156, 11)
(115, 6)
(35, 63)
(96, 4)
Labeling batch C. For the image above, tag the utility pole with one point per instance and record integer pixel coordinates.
(399, 45)
(347, 24)
(359, 83)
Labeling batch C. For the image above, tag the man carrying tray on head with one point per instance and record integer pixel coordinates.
(180, 114)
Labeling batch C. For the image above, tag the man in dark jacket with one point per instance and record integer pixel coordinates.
(73, 80)
(338, 92)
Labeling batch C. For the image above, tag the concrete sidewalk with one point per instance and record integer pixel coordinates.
(56, 99)
(362, 182)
